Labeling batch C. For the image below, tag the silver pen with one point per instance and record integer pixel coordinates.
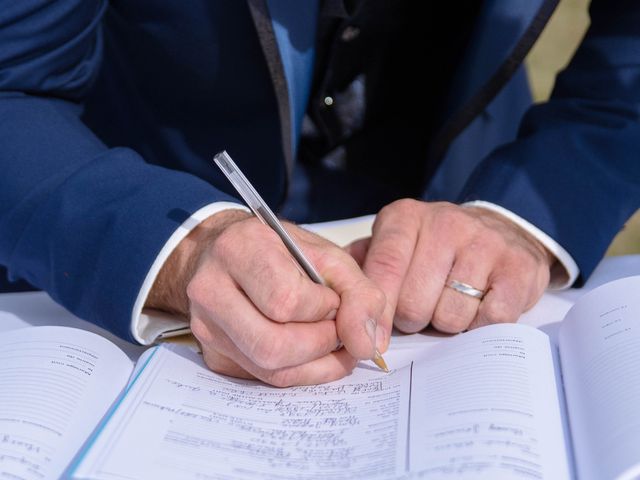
(264, 213)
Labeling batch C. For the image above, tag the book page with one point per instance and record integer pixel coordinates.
(484, 404)
(600, 357)
(343, 232)
(55, 385)
(180, 420)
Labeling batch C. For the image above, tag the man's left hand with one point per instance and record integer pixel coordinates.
(418, 248)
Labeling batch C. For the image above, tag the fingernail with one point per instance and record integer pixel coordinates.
(381, 338)
(370, 326)
(331, 315)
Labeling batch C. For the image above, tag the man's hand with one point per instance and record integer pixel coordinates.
(256, 314)
(417, 247)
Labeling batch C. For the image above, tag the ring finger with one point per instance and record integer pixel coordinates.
(462, 293)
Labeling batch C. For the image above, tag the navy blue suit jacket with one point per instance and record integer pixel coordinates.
(110, 113)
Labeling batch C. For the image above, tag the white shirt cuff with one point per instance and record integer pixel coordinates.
(560, 278)
(150, 325)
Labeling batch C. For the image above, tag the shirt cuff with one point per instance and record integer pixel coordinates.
(564, 271)
(150, 325)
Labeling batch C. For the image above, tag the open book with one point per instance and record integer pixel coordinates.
(484, 404)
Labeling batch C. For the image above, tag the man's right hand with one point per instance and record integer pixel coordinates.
(257, 315)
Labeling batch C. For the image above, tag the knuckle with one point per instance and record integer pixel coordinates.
(209, 360)
(498, 311)
(408, 326)
(450, 219)
(404, 206)
(282, 378)
(282, 304)
(451, 323)
(409, 318)
(192, 291)
(266, 353)
(451, 318)
(194, 288)
(213, 360)
(200, 330)
(451, 212)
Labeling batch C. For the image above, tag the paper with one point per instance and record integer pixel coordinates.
(600, 353)
(484, 404)
(55, 385)
(194, 422)
(481, 403)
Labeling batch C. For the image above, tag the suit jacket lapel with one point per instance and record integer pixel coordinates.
(490, 63)
(264, 27)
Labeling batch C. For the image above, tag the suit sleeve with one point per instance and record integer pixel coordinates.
(82, 221)
(574, 170)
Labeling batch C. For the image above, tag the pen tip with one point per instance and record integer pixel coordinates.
(379, 361)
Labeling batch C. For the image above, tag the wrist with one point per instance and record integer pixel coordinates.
(169, 291)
